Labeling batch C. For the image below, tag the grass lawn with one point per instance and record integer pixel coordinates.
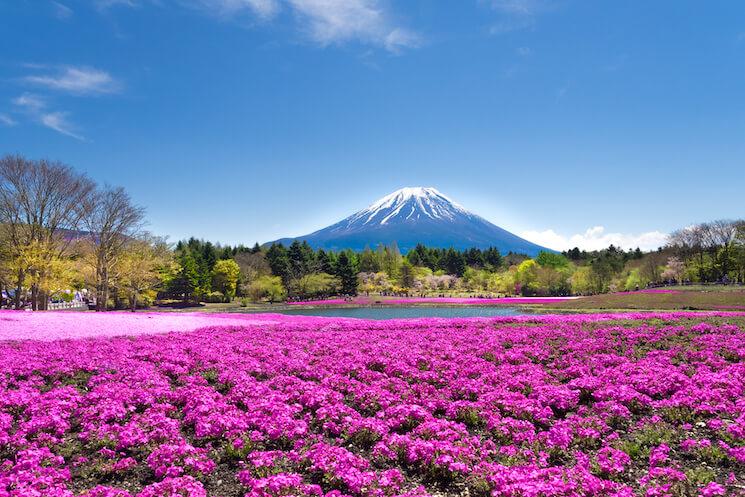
(713, 298)
(716, 298)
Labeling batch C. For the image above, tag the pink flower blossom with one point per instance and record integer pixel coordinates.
(314, 406)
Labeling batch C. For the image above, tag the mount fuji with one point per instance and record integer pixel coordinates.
(416, 215)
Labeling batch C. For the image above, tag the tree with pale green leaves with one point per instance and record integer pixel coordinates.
(316, 285)
(267, 288)
(407, 274)
(552, 260)
(225, 275)
(527, 276)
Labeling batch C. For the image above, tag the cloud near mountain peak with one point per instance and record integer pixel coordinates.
(596, 238)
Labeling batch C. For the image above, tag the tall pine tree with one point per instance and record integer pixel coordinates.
(186, 282)
(279, 262)
(346, 270)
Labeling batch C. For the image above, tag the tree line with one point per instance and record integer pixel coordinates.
(300, 272)
(711, 252)
(62, 236)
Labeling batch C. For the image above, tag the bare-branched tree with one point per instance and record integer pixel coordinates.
(721, 235)
(113, 221)
(253, 266)
(42, 204)
(714, 248)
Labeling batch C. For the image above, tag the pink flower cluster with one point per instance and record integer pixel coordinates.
(51, 325)
(529, 406)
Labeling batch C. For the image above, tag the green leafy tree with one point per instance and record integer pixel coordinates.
(325, 261)
(346, 270)
(301, 259)
(390, 260)
(454, 262)
(581, 281)
(205, 256)
(186, 281)
(225, 276)
(369, 261)
(476, 280)
(527, 276)
(634, 280)
(407, 274)
(602, 272)
(279, 262)
(552, 260)
(474, 258)
(316, 285)
(209, 255)
(423, 256)
(553, 281)
(267, 287)
(503, 282)
(574, 254)
(228, 252)
(146, 266)
(493, 258)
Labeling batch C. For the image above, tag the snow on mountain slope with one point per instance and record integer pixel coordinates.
(409, 203)
(416, 215)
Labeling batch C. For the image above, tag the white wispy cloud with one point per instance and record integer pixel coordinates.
(78, 80)
(517, 15)
(596, 238)
(59, 123)
(106, 4)
(30, 102)
(338, 21)
(265, 9)
(36, 108)
(6, 120)
(508, 26)
(519, 7)
(326, 22)
(400, 39)
(61, 11)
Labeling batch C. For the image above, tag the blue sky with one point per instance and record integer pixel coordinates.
(569, 122)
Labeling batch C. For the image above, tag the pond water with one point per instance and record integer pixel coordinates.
(400, 312)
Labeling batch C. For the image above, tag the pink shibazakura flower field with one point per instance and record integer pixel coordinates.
(266, 407)
(59, 325)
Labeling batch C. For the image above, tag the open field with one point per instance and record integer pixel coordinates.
(267, 406)
(715, 298)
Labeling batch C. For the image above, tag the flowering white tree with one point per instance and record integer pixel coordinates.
(674, 270)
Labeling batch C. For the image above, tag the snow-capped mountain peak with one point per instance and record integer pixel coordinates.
(414, 215)
(410, 203)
